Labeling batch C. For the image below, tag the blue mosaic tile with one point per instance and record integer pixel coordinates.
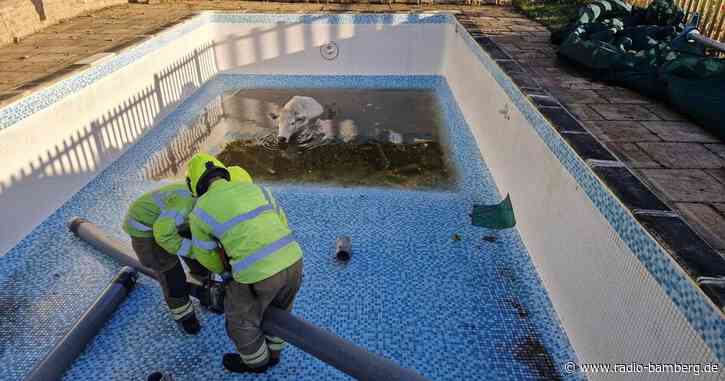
(467, 309)
(706, 319)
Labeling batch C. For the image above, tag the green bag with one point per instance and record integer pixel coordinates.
(696, 86)
(498, 216)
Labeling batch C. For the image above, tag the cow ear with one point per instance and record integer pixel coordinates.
(273, 116)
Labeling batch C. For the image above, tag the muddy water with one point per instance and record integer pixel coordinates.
(364, 138)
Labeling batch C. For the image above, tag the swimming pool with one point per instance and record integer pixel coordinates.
(578, 272)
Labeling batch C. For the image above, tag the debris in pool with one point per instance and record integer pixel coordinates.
(409, 169)
(159, 376)
(343, 248)
(456, 237)
(520, 310)
(532, 352)
(490, 238)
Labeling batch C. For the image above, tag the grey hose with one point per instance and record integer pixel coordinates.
(65, 351)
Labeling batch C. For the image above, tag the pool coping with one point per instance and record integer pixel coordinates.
(644, 222)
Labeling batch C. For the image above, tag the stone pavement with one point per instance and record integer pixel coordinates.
(683, 164)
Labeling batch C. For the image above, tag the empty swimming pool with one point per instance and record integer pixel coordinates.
(424, 288)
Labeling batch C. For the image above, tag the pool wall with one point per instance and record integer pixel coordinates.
(619, 295)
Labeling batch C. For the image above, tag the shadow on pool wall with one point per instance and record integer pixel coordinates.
(53, 171)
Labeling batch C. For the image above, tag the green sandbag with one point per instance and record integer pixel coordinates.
(646, 36)
(702, 100)
(662, 13)
(589, 14)
(642, 49)
(696, 87)
(595, 55)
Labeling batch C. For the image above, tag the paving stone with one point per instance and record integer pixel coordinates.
(719, 174)
(680, 132)
(570, 96)
(706, 221)
(718, 149)
(624, 112)
(665, 112)
(583, 112)
(510, 48)
(619, 95)
(682, 155)
(629, 189)
(685, 185)
(583, 84)
(632, 155)
(720, 207)
(620, 131)
(548, 62)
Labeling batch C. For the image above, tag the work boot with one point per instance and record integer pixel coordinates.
(233, 363)
(190, 324)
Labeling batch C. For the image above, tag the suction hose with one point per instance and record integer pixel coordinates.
(65, 351)
(333, 350)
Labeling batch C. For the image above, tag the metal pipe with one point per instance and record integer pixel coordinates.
(333, 350)
(707, 41)
(65, 351)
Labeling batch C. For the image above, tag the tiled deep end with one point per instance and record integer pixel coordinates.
(696, 257)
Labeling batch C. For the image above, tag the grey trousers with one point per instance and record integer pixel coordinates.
(172, 278)
(244, 307)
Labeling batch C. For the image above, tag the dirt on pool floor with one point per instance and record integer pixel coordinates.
(418, 165)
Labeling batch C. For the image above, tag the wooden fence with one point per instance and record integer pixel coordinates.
(712, 15)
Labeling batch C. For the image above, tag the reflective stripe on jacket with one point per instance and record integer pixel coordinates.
(158, 213)
(251, 227)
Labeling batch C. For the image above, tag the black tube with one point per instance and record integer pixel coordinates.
(340, 353)
(65, 351)
(343, 248)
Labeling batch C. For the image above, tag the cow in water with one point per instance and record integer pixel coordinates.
(298, 114)
(304, 116)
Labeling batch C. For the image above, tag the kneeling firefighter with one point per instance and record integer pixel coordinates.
(258, 250)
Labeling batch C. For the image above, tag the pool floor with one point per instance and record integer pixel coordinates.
(472, 308)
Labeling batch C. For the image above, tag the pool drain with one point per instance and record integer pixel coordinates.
(329, 51)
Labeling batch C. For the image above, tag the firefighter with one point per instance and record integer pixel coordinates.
(152, 221)
(245, 223)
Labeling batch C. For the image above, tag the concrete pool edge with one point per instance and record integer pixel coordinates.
(671, 279)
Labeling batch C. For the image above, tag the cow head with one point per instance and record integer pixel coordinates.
(289, 123)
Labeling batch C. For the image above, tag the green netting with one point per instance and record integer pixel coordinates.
(644, 49)
(498, 216)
